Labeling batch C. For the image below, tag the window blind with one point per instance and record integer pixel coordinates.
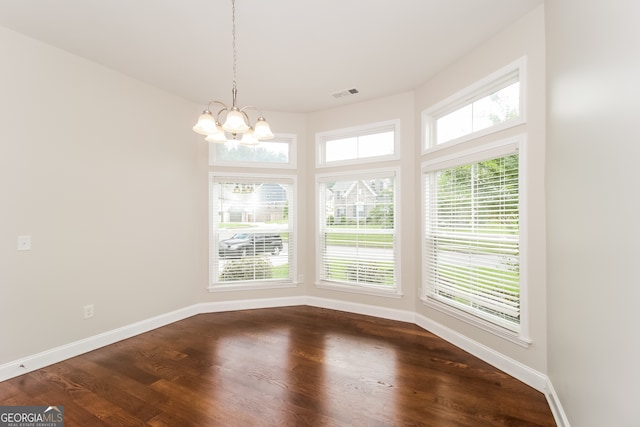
(357, 230)
(472, 238)
(252, 237)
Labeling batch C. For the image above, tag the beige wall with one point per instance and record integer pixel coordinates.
(592, 209)
(399, 107)
(113, 191)
(523, 38)
(105, 175)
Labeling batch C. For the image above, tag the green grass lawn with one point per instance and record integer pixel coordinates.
(280, 272)
(350, 271)
(364, 240)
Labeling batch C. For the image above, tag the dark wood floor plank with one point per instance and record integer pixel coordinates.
(293, 366)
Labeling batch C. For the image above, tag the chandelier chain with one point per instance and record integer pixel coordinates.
(233, 42)
(236, 121)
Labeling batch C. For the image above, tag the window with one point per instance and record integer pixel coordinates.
(252, 231)
(472, 233)
(357, 231)
(490, 110)
(277, 153)
(490, 105)
(367, 144)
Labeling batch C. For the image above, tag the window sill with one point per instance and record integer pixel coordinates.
(251, 286)
(388, 293)
(479, 323)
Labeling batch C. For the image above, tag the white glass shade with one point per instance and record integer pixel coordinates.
(248, 138)
(216, 137)
(206, 124)
(262, 130)
(235, 122)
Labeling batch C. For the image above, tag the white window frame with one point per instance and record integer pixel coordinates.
(486, 86)
(472, 155)
(395, 292)
(356, 131)
(292, 281)
(291, 139)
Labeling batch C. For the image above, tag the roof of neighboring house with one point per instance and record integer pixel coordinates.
(348, 186)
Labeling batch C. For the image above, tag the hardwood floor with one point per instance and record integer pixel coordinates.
(292, 366)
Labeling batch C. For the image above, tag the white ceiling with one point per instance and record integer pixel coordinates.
(292, 54)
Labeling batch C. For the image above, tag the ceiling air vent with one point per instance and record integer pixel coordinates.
(346, 92)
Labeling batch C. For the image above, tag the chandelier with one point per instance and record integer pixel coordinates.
(236, 121)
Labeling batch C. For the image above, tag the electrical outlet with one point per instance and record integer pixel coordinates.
(24, 243)
(88, 311)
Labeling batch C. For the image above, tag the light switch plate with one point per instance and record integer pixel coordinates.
(24, 243)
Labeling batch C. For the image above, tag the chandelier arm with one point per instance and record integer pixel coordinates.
(232, 112)
(251, 107)
(219, 103)
(245, 115)
(222, 104)
(220, 112)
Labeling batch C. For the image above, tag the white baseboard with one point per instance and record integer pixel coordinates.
(369, 310)
(248, 304)
(67, 351)
(527, 375)
(556, 408)
(512, 367)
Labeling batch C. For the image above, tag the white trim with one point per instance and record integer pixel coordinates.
(516, 121)
(356, 131)
(37, 361)
(359, 289)
(523, 177)
(291, 139)
(527, 375)
(511, 145)
(556, 408)
(251, 286)
(490, 150)
(292, 229)
(485, 325)
(468, 94)
(272, 176)
(510, 366)
(249, 304)
(359, 308)
(383, 172)
(358, 174)
(66, 351)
